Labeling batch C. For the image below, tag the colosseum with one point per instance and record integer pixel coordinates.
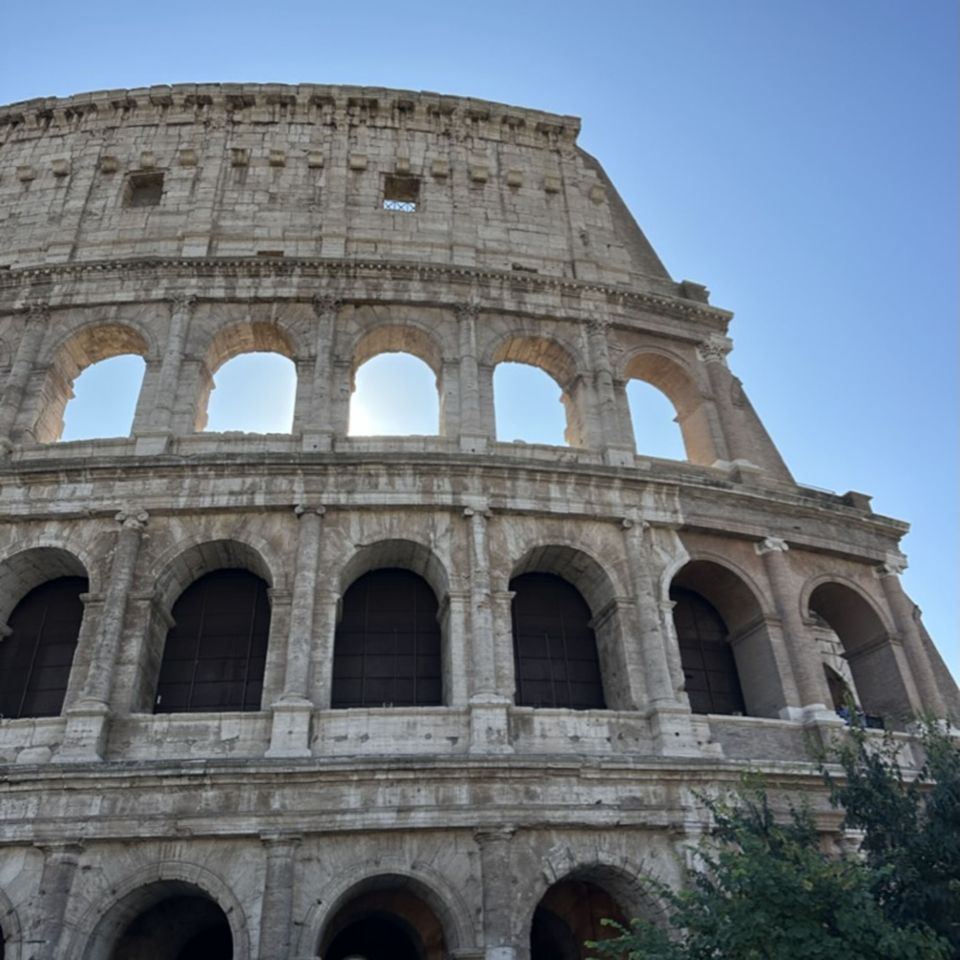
(286, 696)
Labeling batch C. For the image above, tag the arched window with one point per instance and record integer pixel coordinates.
(255, 393)
(387, 645)
(709, 668)
(654, 421)
(570, 913)
(554, 648)
(104, 399)
(528, 404)
(395, 394)
(215, 652)
(35, 659)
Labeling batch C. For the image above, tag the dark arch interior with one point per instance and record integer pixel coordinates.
(709, 668)
(387, 645)
(388, 923)
(35, 659)
(180, 927)
(570, 913)
(554, 648)
(214, 654)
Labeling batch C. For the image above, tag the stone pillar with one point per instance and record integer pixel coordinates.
(903, 616)
(318, 425)
(28, 348)
(499, 893)
(50, 905)
(489, 732)
(85, 734)
(713, 354)
(803, 680)
(341, 390)
(474, 435)
(181, 310)
(327, 603)
(290, 735)
(277, 906)
(617, 446)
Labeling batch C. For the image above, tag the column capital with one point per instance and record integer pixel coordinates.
(182, 301)
(38, 309)
(480, 512)
(326, 304)
(467, 309)
(487, 835)
(893, 566)
(714, 349)
(280, 839)
(302, 509)
(131, 519)
(771, 545)
(631, 523)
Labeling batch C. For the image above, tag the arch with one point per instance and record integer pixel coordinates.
(420, 880)
(29, 567)
(559, 361)
(215, 651)
(741, 628)
(672, 377)
(620, 883)
(10, 929)
(81, 349)
(408, 337)
(878, 673)
(231, 341)
(402, 554)
(96, 933)
(576, 566)
(653, 418)
(395, 394)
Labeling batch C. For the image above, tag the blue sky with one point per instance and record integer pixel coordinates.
(798, 157)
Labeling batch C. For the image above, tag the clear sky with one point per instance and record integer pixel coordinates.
(799, 157)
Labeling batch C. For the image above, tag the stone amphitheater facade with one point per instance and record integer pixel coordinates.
(191, 224)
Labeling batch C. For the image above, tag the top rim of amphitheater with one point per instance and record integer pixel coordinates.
(238, 95)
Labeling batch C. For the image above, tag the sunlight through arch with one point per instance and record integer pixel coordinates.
(105, 397)
(255, 393)
(528, 405)
(395, 394)
(654, 421)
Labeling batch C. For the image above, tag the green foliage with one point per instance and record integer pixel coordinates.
(765, 891)
(911, 828)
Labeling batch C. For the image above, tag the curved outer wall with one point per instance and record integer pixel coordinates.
(269, 233)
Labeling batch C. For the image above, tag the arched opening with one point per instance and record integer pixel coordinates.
(168, 920)
(525, 399)
(215, 652)
(254, 393)
(104, 399)
(388, 646)
(858, 636)
(709, 669)
(98, 373)
(387, 921)
(654, 420)
(672, 380)
(394, 394)
(569, 914)
(37, 655)
(556, 663)
(726, 649)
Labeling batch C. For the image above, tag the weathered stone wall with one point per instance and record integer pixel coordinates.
(474, 808)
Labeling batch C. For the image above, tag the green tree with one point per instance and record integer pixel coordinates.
(765, 891)
(911, 827)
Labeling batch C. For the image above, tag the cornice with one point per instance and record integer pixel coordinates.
(340, 269)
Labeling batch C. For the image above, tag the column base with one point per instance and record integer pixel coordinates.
(152, 444)
(473, 444)
(679, 733)
(810, 713)
(85, 736)
(490, 724)
(290, 728)
(317, 441)
(619, 456)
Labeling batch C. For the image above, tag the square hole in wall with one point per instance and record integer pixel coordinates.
(143, 190)
(401, 193)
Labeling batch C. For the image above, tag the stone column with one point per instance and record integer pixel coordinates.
(290, 735)
(181, 310)
(713, 354)
(903, 616)
(617, 447)
(86, 730)
(28, 348)
(320, 422)
(803, 680)
(474, 435)
(277, 906)
(50, 905)
(488, 707)
(499, 893)
(327, 604)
